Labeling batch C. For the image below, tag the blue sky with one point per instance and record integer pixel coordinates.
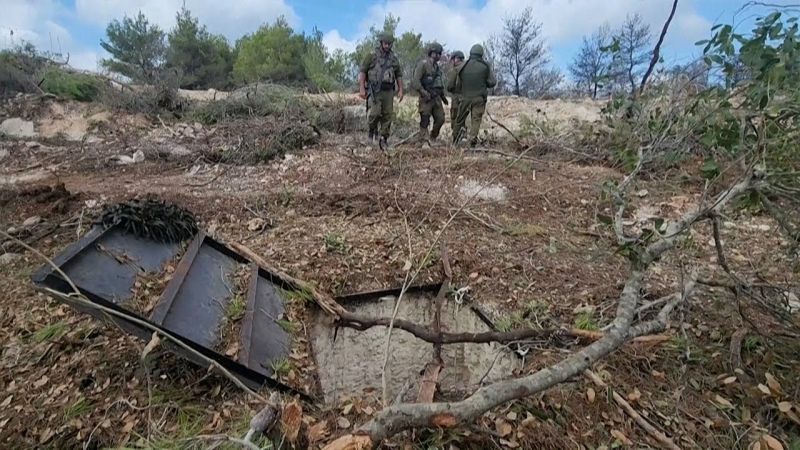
(76, 26)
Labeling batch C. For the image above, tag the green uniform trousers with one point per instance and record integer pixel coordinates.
(474, 107)
(428, 108)
(455, 102)
(381, 112)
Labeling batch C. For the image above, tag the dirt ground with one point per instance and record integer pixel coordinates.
(534, 253)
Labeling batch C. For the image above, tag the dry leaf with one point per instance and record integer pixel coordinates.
(509, 444)
(771, 442)
(154, 341)
(635, 395)
(511, 416)
(342, 422)
(128, 426)
(765, 390)
(755, 446)
(723, 401)
(318, 432)
(590, 395)
(729, 380)
(407, 266)
(347, 408)
(41, 382)
(503, 428)
(620, 436)
(369, 411)
(784, 407)
(291, 420)
(6, 402)
(773, 384)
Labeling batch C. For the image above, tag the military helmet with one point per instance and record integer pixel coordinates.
(434, 47)
(385, 37)
(476, 50)
(457, 54)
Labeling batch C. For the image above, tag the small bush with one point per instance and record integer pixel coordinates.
(71, 85)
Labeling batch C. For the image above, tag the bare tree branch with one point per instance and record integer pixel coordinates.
(444, 415)
(657, 49)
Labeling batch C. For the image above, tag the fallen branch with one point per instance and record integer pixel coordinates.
(397, 418)
(651, 430)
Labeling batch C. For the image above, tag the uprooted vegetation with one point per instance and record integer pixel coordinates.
(644, 270)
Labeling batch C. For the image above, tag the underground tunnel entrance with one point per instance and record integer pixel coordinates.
(350, 361)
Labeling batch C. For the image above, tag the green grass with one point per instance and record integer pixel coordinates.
(74, 86)
(236, 308)
(289, 327)
(335, 243)
(77, 409)
(281, 366)
(586, 321)
(53, 331)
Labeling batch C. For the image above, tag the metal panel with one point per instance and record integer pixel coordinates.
(263, 339)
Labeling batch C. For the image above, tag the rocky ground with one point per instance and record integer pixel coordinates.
(530, 243)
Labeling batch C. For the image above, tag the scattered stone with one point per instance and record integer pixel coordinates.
(31, 221)
(16, 127)
(9, 258)
(179, 150)
(137, 157)
(32, 144)
(11, 230)
(492, 192)
(642, 193)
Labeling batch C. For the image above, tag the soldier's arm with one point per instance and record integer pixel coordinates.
(416, 80)
(362, 76)
(451, 79)
(491, 81)
(398, 75)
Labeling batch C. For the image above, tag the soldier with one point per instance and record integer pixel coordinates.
(473, 80)
(456, 60)
(379, 75)
(429, 84)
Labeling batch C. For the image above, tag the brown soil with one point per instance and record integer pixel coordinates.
(67, 380)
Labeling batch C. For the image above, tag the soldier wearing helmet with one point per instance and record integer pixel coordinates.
(456, 60)
(428, 82)
(472, 80)
(379, 78)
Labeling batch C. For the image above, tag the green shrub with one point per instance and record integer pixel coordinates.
(74, 86)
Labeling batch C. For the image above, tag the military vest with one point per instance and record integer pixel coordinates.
(381, 73)
(432, 82)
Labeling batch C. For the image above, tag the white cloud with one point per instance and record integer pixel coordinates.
(85, 60)
(221, 17)
(459, 23)
(333, 41)
(32, 21)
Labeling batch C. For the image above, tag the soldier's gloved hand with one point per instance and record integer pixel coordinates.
(444, 100)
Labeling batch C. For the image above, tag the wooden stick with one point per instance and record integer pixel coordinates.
(651, 430)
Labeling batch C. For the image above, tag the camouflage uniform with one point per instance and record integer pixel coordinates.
(473, 80)
(455, 97)
(382, 71)
(429, 84)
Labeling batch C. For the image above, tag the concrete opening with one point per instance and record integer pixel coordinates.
(351, 365)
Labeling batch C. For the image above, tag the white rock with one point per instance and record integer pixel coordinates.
(31, 221)
(492, 192)
(9, 258)
(138, 156)
(32, 144)
(11, 230)
(642, 193)
(16, 127)
(179, 150)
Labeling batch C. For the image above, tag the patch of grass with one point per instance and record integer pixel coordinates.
(300, 296)
(752, 343)
(74, 86)
(334, 243)
(236, 308)
(504, 324)
(585, 321)
(77, 409)
(281, 366)
(525, 229)
(287, 195)
(53, 331)
(289, 327)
